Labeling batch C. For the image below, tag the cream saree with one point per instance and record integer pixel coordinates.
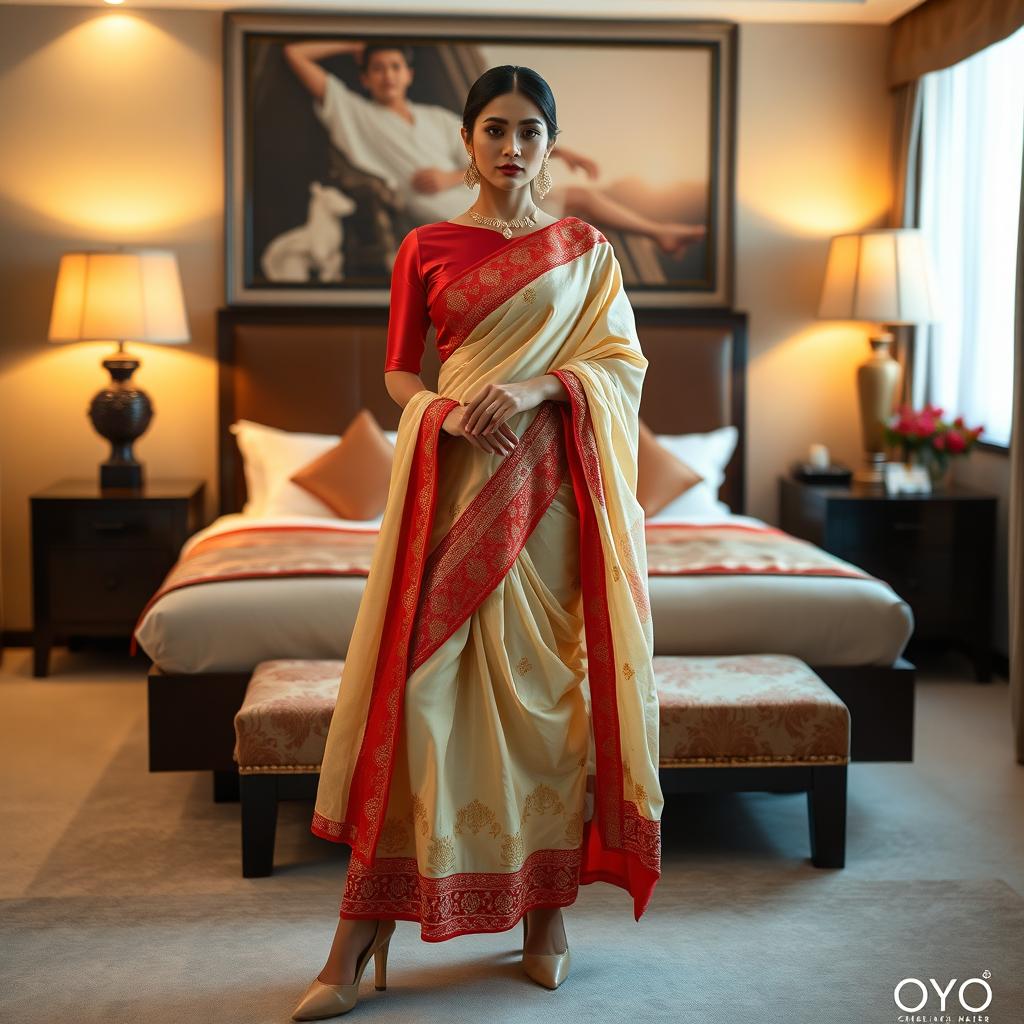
(495, 739)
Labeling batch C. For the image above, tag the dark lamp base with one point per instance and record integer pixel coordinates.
(113, 474)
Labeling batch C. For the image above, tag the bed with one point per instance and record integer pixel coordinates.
(204, 640)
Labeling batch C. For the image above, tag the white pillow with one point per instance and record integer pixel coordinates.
(708, 454)
(269, 457)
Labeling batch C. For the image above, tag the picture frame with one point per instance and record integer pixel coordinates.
(314, 213)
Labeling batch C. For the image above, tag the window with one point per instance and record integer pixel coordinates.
(972, 136)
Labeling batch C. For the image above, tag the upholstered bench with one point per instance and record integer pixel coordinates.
(743, 722)
(729, 722)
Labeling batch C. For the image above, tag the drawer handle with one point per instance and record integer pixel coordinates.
(112, 527)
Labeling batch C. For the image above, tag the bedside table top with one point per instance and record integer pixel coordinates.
(78, 489)
(954, 492)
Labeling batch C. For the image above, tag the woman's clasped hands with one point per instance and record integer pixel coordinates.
(482, 420)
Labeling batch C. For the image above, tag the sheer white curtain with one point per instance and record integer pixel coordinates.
(972, 139)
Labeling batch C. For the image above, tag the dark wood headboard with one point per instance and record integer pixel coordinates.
(313, 369)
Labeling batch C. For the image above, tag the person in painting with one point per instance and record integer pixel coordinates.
(495, 739)
(415, 148)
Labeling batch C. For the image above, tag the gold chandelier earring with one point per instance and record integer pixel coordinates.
(472, 175)
(543, 180)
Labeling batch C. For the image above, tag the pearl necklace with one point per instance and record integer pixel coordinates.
(505, 225)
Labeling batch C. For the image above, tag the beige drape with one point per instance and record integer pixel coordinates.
(906, 164)
(1015, 589)
(939, 33)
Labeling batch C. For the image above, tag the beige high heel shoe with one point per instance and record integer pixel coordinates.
(547, 969)
(322, 1000)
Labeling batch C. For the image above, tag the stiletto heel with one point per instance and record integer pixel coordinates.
(547, 969)
(380, 967)
(322, 1000)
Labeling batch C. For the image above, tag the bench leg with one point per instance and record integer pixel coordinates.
(225, 786)
(259, 824)
(826, 811)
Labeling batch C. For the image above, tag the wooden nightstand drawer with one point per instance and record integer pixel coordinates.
(895, 527)
(111, 524)
(98, 555)
(935, 550)
(91, 585)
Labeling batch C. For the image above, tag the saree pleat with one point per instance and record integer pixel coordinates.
(494, 744)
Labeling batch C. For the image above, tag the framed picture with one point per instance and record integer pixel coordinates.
(343, 134)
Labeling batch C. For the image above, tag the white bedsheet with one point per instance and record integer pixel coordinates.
(232, 625)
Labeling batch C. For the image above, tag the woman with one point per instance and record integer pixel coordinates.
(481, 761)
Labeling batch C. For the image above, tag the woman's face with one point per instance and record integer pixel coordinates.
(509, 130)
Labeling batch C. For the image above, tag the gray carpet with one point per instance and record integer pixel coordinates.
(710, 948)
(125, 902)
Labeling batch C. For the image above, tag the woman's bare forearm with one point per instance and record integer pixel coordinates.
(402, 385)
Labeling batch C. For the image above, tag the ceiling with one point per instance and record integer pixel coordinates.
(865, 12)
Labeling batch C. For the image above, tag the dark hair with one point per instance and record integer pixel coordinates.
(371, 48)
(505, 79)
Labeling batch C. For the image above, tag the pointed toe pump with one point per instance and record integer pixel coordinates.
(322, 1000)
(547, 969)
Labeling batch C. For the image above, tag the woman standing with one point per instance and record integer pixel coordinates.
(495, 740)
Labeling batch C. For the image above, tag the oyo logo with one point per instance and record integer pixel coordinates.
(914, 988)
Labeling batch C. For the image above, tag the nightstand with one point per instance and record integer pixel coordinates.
(935, 550)
(99, 555)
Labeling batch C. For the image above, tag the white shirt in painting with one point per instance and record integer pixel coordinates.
(381, 142)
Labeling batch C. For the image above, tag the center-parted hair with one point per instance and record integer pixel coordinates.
(508, 78)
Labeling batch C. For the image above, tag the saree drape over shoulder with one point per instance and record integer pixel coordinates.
(495, 739)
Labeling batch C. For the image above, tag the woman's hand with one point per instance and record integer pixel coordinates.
(501, 442)
(493, 404)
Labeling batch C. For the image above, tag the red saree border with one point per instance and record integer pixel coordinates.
(486, 539)
(472, 902)
(371, 780)
(462, 903)
(491, 281)
(625, 848)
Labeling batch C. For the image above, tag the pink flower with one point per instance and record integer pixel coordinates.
(956, 442)
(939, 442)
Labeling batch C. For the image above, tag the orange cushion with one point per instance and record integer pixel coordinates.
(353, 477)
(660, 476)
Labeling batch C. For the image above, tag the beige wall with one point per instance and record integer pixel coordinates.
(112, 132)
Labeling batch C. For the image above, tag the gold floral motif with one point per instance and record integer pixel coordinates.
(627, 670)
(574, 829)
(542, 800)
(419, 811)
(512, 850)
(615, 573)
(394, 836)
(454, 509)
(523, 665)
(476, 816)
(441, 856)
(529, 294)
(640, 794)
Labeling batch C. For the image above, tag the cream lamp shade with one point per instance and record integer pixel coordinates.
(126, 295)
(119, 296)
(883, 276)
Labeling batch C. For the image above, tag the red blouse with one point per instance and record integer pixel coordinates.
(430, 257)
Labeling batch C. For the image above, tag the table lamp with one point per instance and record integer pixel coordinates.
(125, 295)
(881, 276)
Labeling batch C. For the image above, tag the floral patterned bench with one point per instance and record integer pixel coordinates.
(728, 722)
